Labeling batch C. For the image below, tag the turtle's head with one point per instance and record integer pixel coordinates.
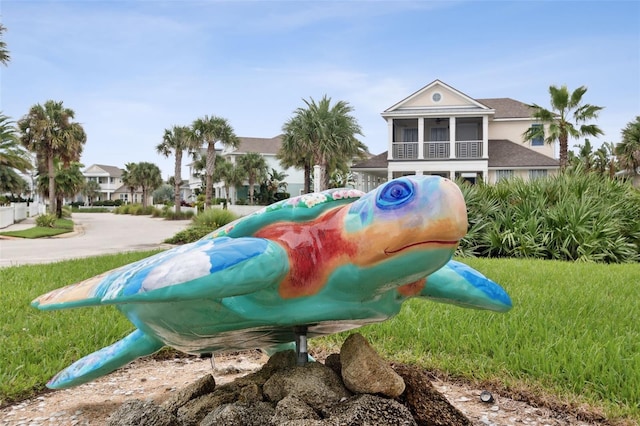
(409, 215)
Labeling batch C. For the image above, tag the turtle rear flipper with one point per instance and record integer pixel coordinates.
(106, 360)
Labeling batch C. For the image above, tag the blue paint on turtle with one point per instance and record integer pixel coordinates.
(329, 261)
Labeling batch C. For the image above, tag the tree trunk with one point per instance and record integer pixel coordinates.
(59, 206)
(144, 197)
(563, 151)
(177, 182)
(250, 190)
(52, 184)
(307, 178)
(211, 159)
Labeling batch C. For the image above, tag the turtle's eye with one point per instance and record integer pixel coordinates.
(395, 195)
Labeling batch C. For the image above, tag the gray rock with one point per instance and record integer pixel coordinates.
(363, 371)
(370, 410)
(192, 413)
(204, 385)
(314, 383)
(240, 414)
(428, 406)
(291, 408)
(140, 413)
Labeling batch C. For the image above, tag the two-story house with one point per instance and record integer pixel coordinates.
(439, 130)
(109, 178)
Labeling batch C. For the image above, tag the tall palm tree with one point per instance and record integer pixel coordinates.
(568, 117)
(149, 177)
(48, 130)
(12, 154)
(176, 140)
(324, 135)
(255, 167)
(129, 179)
(4, 52)
(207, 131)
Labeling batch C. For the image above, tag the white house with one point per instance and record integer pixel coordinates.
(439, 130)
(267, 148)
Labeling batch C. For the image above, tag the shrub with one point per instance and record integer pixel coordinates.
(214, 218)
(46, 220)
(571, 216)
(189, 235)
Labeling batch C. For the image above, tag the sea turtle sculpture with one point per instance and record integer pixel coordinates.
(308, 266)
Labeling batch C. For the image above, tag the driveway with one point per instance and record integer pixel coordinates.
(96, 234)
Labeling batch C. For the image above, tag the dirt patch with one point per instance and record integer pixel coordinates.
(157, 379)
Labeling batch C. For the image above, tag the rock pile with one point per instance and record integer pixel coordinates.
(355, 387)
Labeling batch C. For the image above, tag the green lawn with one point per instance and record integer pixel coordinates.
(61, 226)
(574, 331)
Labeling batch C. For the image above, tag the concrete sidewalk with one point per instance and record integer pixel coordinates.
(95, 234)
(29, 222)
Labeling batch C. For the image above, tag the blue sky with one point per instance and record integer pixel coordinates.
(130, 69)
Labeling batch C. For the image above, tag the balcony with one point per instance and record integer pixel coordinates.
(438, 150)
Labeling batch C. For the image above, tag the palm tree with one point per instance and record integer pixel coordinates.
(236, 177)
(327, 133)
(90, 190)
(12, 155)
(149, 177)
(4, 53)
(129, 177)
(176, 140)
(221, 173)
(69, 180)
(628, 151)
(207, 131)
(48, 131)
(12, 182)
(567, 118)
(255, 167)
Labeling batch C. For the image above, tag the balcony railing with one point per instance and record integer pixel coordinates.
(469, 149)
(439, 150)
(405, 150)
(436, 150)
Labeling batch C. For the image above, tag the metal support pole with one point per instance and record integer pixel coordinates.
(302, 356)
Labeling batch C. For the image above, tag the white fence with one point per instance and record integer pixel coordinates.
(19, 211)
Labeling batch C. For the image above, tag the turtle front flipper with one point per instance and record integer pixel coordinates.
(461, 285)
(106, 360)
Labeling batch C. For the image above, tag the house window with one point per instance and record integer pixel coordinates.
(439, 134)
(410, 135)
(537, 173)
(503, 174)
(539, 141)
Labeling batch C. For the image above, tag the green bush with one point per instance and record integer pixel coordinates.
(203, 224)
(214, 218)
(189, 235)
(46, 220)
(572, 216)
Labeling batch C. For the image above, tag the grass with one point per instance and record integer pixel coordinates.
(90, 210)
(573, 333)
(61, 226)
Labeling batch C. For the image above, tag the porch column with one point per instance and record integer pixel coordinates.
(390, 138)
(359, 184)
(420, 138)
(485, 136)
(452, 137)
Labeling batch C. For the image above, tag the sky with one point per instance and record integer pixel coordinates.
(131, 69)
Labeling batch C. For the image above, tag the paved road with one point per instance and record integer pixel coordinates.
(99, 233)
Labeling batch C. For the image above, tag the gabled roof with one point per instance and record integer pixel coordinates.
(507, 108)
(113, 171)
(506, 154)
(465, 100)
(259, 145)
